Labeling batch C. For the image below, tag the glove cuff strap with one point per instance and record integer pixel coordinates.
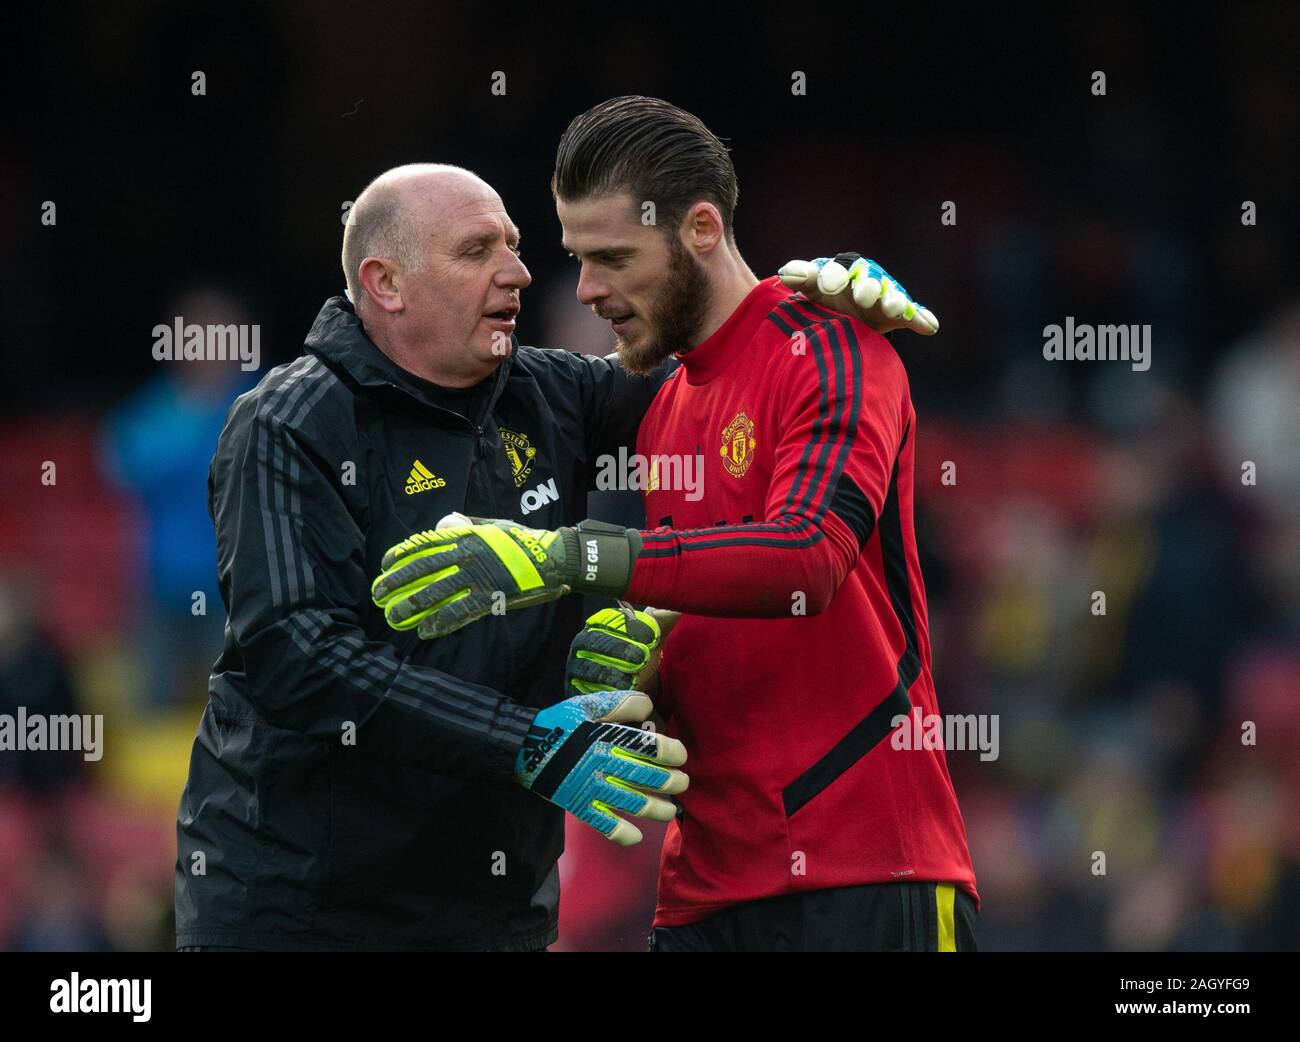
(602, 556)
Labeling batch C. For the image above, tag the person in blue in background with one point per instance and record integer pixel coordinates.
(157, 446)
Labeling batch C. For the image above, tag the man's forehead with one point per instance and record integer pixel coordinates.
(475, 222)
(609, 216)
(476, 217)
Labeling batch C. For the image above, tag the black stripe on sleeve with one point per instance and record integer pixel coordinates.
(794, 498)
(793, 315)
(780, 323)
(785, 535)
(850, 505)
(844, 424)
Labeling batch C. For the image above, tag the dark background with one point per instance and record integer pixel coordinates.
(1119, 733)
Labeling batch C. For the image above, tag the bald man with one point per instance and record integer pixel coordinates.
(432, 265)
(351, 786)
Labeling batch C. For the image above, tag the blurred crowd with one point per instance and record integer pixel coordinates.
(1147, 792)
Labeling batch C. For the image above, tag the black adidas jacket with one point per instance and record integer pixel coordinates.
(351, 786)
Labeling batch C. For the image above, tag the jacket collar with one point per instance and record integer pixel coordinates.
(340, 341)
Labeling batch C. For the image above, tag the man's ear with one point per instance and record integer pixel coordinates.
(702, 228)
(379, 279)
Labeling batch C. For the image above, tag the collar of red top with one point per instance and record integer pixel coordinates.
(706, 361)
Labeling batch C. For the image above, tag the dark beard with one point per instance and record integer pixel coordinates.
(675, 316)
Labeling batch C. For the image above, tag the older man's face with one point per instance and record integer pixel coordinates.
(465, 300)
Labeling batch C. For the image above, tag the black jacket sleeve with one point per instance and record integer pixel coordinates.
(291, 560)
(614, 401)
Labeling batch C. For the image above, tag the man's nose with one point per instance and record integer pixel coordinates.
(590, 289)
(514, 275)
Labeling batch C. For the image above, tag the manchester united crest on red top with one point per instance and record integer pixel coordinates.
(738, 445)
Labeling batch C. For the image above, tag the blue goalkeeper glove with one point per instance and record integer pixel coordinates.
(859, 287)
(580, 755)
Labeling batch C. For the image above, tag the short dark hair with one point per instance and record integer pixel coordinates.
(653, 151)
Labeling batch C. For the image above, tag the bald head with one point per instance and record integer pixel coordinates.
(395, 213)
(432, 263)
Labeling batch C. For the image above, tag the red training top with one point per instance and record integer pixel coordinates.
(806, 634)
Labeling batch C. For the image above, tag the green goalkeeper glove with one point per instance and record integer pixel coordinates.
(446, 578)
(617, 650)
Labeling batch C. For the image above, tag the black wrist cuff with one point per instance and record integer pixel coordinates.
(602, 555)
